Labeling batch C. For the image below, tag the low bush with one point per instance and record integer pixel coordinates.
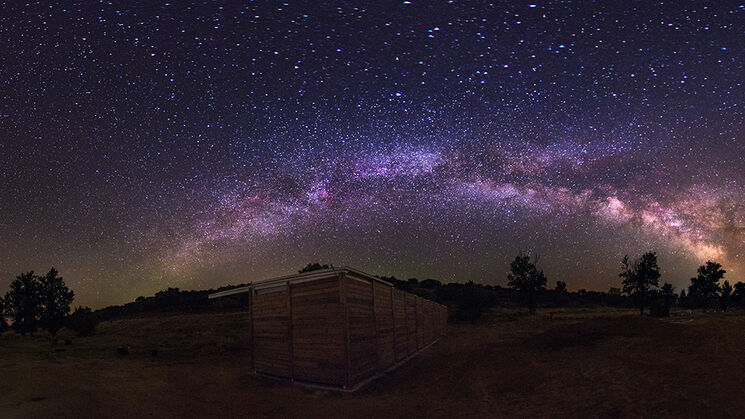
(83, 321)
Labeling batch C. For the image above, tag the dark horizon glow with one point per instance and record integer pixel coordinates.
(196, 146)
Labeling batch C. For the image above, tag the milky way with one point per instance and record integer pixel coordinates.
(195, 146)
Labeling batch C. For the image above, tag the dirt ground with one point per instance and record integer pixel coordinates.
(590, 363)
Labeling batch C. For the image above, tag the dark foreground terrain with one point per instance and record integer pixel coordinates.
(595, 363)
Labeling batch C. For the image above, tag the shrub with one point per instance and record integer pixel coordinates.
(472, 301)
(659, 309)
(83, 321)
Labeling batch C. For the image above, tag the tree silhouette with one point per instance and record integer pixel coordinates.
(83, 321)
(683, 299)
(726, 295)
(667, 299)
(561, 287)
(639, 277)
(738, 294)
(525, 277)
(668, 291)
(23, 302)
(705, 286)
(561, 296)
(55, 301)
(314, 266)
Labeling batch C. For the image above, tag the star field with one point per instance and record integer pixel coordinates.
(143, 147)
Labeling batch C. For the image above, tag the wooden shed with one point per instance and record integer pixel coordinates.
(336, 327)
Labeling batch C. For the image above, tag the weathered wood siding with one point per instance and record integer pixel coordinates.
(362, 352)
(400, 325)
(410, 323)
(421, 323)
(271, 334)
(339, 330)
(383, 300)
(423, 319)
(318, 339)
(431, 321)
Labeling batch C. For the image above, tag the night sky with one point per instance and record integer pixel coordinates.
(146, 147)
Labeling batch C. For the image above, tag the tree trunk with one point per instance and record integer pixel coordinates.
(641, 310)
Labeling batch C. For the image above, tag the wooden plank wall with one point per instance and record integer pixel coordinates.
(271, 321)
(339, 332)
(318, 335)
(383, 300)
(424, 323)
(443, 321)
(362, 342)
(421, 324)
(400, 325)
(410, 300)
(429, 318)
(432, 321)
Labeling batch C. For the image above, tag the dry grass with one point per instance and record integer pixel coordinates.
(597, 363)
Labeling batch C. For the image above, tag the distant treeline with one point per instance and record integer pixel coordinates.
(174, 299)
(466, 300)
(639, 287)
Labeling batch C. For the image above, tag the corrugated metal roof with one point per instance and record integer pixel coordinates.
(239, 290)
(299, 277)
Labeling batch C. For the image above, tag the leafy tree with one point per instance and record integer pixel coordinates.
(726, 295)
(738, 294)
(683, 299)
(561, 296)
(23, 302)
(667, 291)
(705, 286)
(665, 298)
(83, 321)
(315, 266)
(639, 277)
(525, 277)
(55, 301)
(561, 287)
